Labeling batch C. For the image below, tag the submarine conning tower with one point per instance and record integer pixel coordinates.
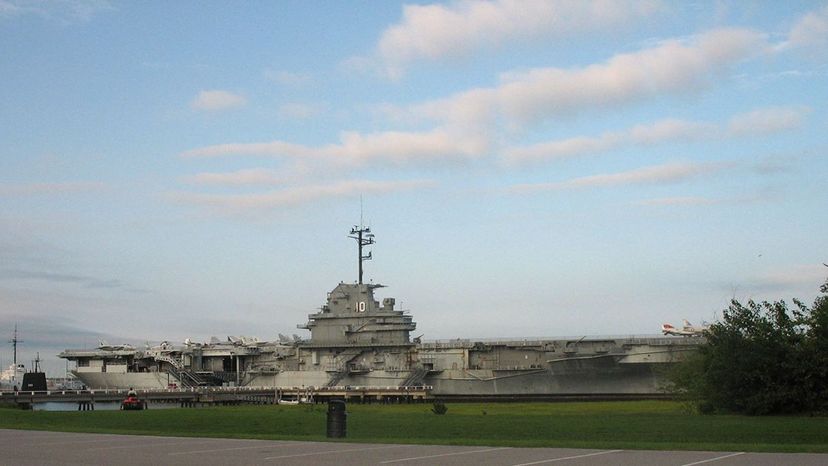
(352, 317)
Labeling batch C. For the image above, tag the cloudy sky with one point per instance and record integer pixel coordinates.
(530, 168)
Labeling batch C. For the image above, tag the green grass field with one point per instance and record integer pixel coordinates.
(609, 425)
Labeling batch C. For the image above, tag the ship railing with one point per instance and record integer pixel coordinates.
(538, 341)
(169, 359)
(186, 377)
(416, 378)
(336, 378)
(357, 388)
(237, 389)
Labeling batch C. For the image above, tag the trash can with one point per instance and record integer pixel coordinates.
(337, 418)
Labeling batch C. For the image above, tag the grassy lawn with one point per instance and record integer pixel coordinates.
(610, 425)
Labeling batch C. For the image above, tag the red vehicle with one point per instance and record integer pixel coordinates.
(132, 402)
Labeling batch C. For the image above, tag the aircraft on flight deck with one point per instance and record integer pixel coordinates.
(103, 345)
(688, 330)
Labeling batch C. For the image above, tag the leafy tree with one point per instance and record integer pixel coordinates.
(761, 358)
(816, 353)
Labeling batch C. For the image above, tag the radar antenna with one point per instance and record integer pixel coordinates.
(14, 341)
(363, 237)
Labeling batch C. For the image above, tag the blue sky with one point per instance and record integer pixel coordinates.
(188, 169)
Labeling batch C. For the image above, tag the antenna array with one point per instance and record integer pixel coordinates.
(363, 237)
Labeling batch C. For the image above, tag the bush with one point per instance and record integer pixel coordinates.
(761, 358)
(439, 408)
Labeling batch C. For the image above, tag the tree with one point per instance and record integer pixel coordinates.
(761, 358)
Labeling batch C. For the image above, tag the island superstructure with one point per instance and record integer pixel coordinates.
(356, 340)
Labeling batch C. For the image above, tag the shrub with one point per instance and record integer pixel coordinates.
(761, 358)
(439, 408)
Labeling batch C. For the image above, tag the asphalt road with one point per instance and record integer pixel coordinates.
(22, 447)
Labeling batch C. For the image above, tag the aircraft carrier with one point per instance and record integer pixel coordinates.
(358, 341)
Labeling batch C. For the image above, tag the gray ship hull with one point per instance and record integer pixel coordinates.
(595, 381)
(137, 380)
(542, 368)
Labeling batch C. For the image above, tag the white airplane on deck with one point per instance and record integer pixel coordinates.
(688, 330)
(103, 345)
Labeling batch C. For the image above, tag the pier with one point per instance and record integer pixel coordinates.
(213, 396)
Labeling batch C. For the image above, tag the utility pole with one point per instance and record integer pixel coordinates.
(363, 237)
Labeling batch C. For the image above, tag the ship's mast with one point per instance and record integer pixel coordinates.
(363, 237)
(14, 341)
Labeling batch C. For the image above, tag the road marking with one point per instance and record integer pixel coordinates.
(65, 442)
(75, 442)
(552, 460)
(261, 445)
(142, 445)
(443, 454)
(715, 459)
(326, 452)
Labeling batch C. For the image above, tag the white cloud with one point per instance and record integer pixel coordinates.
(673, 67)
(434, 32)
(756, 123)
(767, 121)
(811, 31)
(296, 195)
(255, 176)
(658, 132)
(403, 147)
(215, 100)
(668, 173)
(564, 148)
(705, 201)
(355, 148)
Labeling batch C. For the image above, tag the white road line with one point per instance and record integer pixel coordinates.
(327, 452)
(141, 445)
(443, 454)
(552, 460)
(251, 447)
(75, 442)
(65, 442)
(715, 459)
